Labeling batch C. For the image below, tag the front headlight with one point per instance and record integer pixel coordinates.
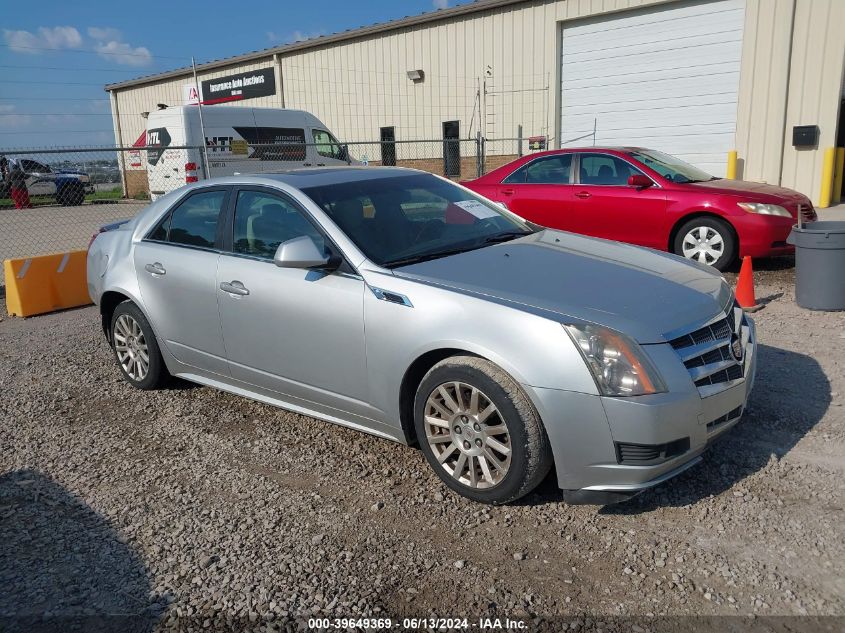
(616, 361)
(764, 209)
(84, 178)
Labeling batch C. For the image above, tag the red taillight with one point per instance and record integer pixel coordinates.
(191, 173)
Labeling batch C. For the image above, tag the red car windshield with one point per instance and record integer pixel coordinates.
(671, 168)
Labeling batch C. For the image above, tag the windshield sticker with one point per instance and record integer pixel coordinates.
(481, 211)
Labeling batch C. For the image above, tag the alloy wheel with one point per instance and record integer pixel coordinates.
(467, 434)
(703, 244)
(131, 347)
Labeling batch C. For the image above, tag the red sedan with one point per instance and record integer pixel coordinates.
(649, 198)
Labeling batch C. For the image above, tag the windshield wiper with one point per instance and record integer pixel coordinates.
(504, 237)
(425, 257)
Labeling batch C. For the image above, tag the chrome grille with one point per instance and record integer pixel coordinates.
(706, 351)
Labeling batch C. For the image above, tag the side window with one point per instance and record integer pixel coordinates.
(263, 221)
(603, 169)
(326, 144)
(553, 170)
(193, 222)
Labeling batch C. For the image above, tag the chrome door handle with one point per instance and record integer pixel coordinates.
(234, 287)
(583, 194)
(155, 269)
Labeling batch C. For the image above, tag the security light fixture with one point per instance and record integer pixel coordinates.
(161, 106)
(416, 75)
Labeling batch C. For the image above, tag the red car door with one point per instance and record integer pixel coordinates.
(541, 191)
(606, 206)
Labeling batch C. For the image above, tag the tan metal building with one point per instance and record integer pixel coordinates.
(695, 78)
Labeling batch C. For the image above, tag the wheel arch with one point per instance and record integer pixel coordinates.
(412, 378)
(109, 301)
(701, 213)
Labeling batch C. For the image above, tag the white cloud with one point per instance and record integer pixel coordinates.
(10, 119)
(123, 53)
(104, 33)
(110, 45)
(57, 37)
(440, 4)
(301, 36)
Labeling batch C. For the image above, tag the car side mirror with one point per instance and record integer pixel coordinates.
(301, 252)
(640, 181)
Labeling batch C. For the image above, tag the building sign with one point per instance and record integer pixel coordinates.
(536, 142)
(246, 85)
(190, 94)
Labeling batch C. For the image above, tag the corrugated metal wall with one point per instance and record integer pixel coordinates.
(496, 69)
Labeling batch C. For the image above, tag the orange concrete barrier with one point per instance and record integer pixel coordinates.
(35, 285)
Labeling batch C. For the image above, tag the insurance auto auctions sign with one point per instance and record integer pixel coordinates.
(246, 85)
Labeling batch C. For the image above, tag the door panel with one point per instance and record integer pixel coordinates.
(297, 332)
(607, 207)
(546, 205)
(540, 191)
(181, 302)
(176, 267)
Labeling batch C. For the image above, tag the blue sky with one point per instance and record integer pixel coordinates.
(55, 56)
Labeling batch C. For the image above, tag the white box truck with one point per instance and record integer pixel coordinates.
(238, 140)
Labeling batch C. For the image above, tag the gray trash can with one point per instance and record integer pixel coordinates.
(819, 265)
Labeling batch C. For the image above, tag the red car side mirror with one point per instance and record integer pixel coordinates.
(640, 181)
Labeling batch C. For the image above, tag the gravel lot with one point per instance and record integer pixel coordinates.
(192, 507)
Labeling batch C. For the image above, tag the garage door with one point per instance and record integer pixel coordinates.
(665, 78)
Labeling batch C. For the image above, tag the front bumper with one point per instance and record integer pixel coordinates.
(586, 431)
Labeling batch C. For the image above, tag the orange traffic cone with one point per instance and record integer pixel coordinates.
(745, 287)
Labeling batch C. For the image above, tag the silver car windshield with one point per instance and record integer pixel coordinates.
(402, 220)
(670, 167)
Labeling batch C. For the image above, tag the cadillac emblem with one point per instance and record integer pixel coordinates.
(736, 348)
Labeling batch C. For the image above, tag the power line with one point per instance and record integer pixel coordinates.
(93, 52)
(51, 82)
(52, 99)
(72, 68)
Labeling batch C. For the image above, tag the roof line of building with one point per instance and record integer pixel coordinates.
(323, 40)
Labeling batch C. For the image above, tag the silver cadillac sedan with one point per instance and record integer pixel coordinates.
(401, 304)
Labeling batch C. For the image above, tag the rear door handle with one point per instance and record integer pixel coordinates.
(583, 194)
(234, 287)
(321, 164)
(155, 269)
(507, 192)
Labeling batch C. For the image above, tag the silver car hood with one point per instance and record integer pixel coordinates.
(643, 293)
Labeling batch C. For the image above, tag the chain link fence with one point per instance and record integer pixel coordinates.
(71, 192)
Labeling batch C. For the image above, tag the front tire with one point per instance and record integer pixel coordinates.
(707, 240)
(71, 196)
(135, 348)
(479, 431)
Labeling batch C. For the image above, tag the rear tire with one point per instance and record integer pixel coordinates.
(707, 240)
(136, 348)
(479, 431)
(71, 196)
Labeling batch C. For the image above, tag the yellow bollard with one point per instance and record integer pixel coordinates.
(827, 177)
(838, 175)
(731, 170)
